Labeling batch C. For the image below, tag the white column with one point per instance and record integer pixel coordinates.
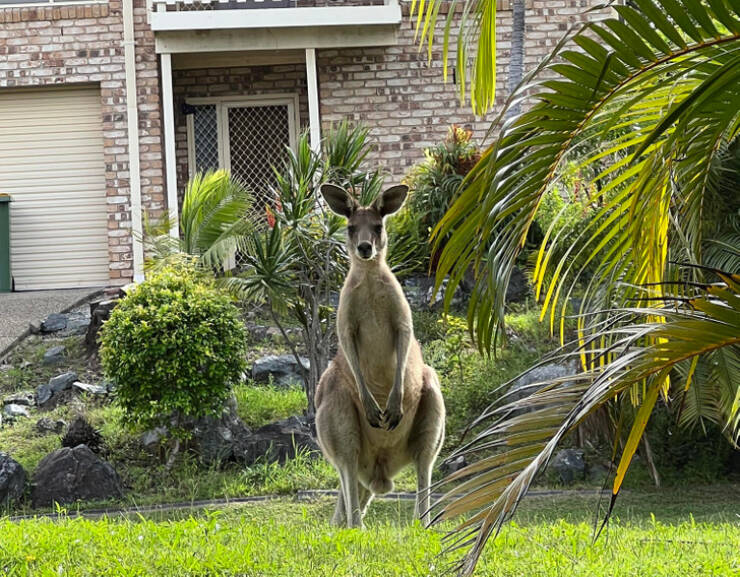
(132, 129)
(168, 107)
(313, 99)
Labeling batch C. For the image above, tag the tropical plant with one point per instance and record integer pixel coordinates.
(649, 103)
(213, 225)
(296, 263)
(174, 346)
(475, 45)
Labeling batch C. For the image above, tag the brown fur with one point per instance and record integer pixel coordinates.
(367, 445)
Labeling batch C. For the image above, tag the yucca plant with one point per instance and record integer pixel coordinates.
(648, 104)
(295, 261)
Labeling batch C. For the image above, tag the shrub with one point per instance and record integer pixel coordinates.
(433, 184)
(174, 346)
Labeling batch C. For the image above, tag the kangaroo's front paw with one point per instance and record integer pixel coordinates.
(391, 417)
(374, 414)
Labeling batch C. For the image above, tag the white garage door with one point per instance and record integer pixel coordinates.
(51, 163)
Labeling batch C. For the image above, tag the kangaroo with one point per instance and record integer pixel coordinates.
(378, 364)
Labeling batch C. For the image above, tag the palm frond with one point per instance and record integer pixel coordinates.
(636, 109)
(519, 437)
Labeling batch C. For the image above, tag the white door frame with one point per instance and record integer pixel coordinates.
(223, 104)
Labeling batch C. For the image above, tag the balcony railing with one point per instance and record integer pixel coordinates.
(189, 5)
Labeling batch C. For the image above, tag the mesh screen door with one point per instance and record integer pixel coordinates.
(246, 137)
(257, 139)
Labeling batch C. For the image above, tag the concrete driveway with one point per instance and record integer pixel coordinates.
(19, 310)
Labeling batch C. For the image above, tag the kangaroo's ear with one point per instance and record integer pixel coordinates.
(391, 199)
(338, 199)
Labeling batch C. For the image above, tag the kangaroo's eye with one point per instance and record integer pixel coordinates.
(351, 229)
(378, 228)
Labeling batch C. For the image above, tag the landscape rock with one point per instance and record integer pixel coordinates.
(54, 355)
(12, 480)
(25, 398)
(62, 382)
(518, 289)
(569, 465)
(216, 439)
(100, 312)
(43, 395)
(283, 369)
(90, 389)
(45, 426)
(13, 412)
(54, 322)
(74, 474)
(151, 439)
(525, 385)
(277, 441)
(449, 467)
(80, 432)
(77, 323)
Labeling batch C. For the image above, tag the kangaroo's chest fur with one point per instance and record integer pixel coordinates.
(372, 308)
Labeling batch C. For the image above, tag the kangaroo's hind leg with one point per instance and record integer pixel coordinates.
(338, 428)
(425, 441)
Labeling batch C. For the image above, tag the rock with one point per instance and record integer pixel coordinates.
(25, 398)
(62, 382)
(54, 355)
(518, 288)
(151, 439)
(74, 474)
(43, 395)
(77, 323)
(99, 313)
(216, 439)
(90, 389)
(283, 369)
(45, 426)
(569, 466)
(80, 432)
(449, 467)
(13, 412)
(525, 385)
(5, 368)
(53, 323)
(12, 480)
(277, 441)
(257, 332)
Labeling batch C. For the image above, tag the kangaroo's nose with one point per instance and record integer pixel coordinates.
(365, 249)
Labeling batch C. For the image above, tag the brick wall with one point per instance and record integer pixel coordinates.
(218, 82)
(82, 44)
(403, 97)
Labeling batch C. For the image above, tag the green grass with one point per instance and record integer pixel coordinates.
(259, 405)
(283, 538)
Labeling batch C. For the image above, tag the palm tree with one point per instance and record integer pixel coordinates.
(648, 105)
(516, 59)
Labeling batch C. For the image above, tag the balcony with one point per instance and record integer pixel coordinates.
(218, 25)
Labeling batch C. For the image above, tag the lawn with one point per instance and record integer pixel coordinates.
(670, 533)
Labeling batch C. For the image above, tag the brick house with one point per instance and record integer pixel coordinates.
(106, 107)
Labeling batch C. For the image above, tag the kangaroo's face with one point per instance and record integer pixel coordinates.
(366, 236)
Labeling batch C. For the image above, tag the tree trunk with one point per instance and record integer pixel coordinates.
(516, 60)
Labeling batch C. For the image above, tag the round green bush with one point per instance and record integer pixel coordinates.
(174, 346)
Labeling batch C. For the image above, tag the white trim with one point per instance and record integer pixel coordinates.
(132, 126)
(313, 99)
(170, 156)
(260, 39)
(317, 17)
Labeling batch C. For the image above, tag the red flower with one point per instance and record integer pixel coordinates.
(270, 216)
